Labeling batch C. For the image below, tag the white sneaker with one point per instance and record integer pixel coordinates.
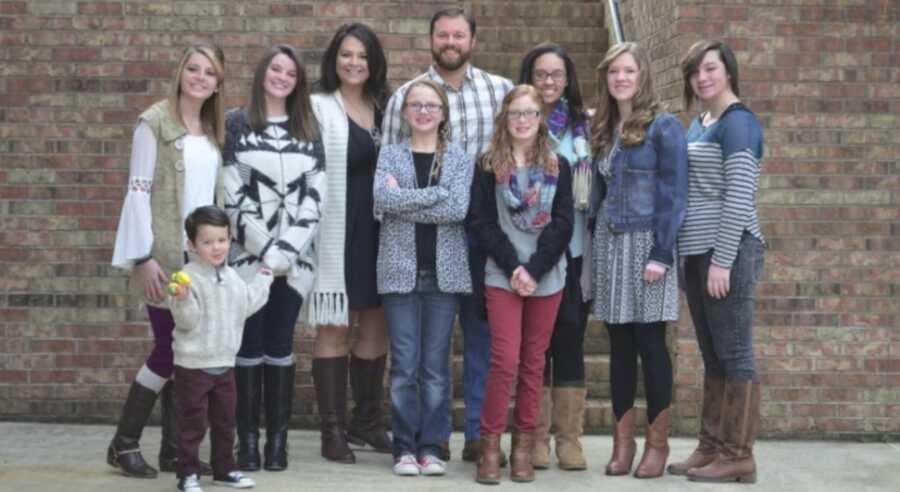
(406, 466)
(189, 483)
(235, 480)
(432, 466)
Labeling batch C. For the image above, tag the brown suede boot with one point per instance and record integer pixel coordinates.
(656, 448)
(488, 471)
(710, 420)
(624, 446)
(568, 419)
(540, 455)
(740, 424)
(520, 469)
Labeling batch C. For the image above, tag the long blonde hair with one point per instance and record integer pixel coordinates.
(499, 158)
(443, 126)
(212, 113)
(645, 104)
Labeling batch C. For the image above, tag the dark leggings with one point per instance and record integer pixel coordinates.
(564, 360)
(270, 332)
(648, 340)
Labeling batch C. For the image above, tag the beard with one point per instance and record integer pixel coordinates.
(454, 64)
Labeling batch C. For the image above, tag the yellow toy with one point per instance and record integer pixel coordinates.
(178, 280)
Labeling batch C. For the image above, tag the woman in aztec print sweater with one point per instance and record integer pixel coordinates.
(274, 188)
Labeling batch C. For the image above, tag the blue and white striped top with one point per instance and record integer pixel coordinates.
(723, 170)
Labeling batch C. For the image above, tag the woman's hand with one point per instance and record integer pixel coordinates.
(522, 282)
(718, 281)
(154, 279)
(390, 181)
(654, 272)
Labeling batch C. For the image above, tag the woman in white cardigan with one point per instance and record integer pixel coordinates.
(348, 103)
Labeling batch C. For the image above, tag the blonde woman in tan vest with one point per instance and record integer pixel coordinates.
(175, 167)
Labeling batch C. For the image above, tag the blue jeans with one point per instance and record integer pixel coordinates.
(476, 362)
(420, 325)
(724, 327)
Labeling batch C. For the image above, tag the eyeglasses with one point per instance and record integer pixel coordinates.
(527, 115)
(541, 76)
(429, 108)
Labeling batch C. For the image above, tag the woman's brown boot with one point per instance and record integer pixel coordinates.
(656, 448)
(488, 471)
(710, 420)
(624, 446)
(330, 379)
(740, 424)
(520, 469)
(568, 418)
(540, 455)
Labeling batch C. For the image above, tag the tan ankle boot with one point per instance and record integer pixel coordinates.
(520, 468)
(568, 418)
(488, 471)
(656, 448)
(540, 455)
(710, 420)
(624, 446)
(740, 424)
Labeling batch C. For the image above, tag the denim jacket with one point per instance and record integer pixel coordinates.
(648, 186)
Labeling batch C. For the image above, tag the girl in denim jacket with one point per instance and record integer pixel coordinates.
(641, 162)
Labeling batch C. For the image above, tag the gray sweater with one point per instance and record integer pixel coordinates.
(444, 204)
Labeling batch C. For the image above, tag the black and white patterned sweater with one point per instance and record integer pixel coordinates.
(274, 190)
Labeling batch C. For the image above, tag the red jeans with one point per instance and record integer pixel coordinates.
(205, 398)
(520, 334)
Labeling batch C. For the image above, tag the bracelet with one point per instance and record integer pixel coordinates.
(141, 261)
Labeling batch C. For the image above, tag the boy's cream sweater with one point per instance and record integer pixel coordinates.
(210, 322)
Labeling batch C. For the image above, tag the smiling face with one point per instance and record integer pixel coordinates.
(281, 77)
(452, 43)
(423, 110)
(711, 80)
(549, 76)
(523, 118)
(211, 244)
(199, 79)
(352, 63)
(623, 78)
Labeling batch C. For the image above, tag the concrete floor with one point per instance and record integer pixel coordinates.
(71, 458)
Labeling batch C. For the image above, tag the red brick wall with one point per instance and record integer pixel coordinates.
(73, 77)
(823, 78)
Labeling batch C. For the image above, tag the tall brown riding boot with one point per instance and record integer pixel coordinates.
(330, 379)
(540, 455)
(568, 419)
(624, 446)
(367, 386)
(710, 419)
(124, 451)
(520, 468)
(740, 424)
(656, 448)
(488, 471)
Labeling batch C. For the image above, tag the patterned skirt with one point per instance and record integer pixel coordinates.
(620, 293)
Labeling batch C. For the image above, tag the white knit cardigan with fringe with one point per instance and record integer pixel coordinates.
(328, 303)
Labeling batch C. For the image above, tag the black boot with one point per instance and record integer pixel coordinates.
(124, 451)
(330, 379)
(248, 381)
(168, 446)
(367, 385)
(279, 396)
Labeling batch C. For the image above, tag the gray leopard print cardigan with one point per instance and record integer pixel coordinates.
(444, 204)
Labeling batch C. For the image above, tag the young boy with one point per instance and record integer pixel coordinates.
(209, 322)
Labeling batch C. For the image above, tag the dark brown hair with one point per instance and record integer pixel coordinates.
(302, 123)
(690, 65)
(208, 215)
(376, 87)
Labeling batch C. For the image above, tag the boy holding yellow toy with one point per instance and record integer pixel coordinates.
(210, 303)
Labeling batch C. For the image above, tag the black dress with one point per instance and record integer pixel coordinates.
(361, 245)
